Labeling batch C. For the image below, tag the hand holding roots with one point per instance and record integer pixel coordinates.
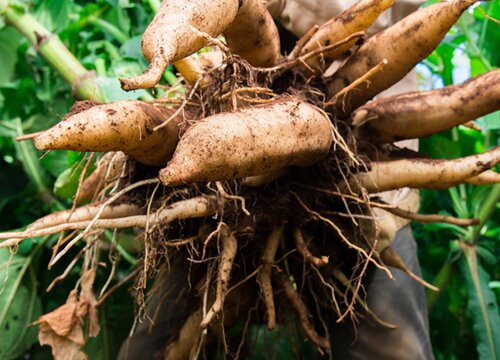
(261, 178)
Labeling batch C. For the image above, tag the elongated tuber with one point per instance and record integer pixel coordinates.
(86, 213)
(356, 18)
(403, 45)
(250, 141)
(170, 36)
(419, 114)
(253, 34)
(121, 126)
(177, 32)
(425, 173)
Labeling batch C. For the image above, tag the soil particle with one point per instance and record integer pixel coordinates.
(80, 106)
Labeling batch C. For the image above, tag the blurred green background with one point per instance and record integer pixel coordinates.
(37, 84)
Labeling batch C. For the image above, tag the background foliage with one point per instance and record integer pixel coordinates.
(104, 35)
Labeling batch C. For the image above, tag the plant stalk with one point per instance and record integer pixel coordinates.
(50, 47)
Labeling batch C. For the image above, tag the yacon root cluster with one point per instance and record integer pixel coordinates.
(257, 188)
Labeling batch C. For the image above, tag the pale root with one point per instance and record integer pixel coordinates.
(253, 35)
(426, 173)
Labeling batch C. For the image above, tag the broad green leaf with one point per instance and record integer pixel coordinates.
(131, 49)
(482, 305)
(9, 42)
(55, 162)
(28, 155)
(490, 121)
(441, 147)
(54, 14)
(19, 305)
(114, 92)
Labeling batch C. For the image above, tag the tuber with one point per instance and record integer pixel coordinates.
(121, 126)
(356, 18)
(423, 113)
(250, 141)
(402, 45)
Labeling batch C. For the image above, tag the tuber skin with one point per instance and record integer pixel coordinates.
(170, 37)
(121, 126)
(86, 213)
(253, 35)
(250, 141)
(193, 67)
(425, 173)
(489, 177)
(402, 45)
(423, 113)
(356, 18)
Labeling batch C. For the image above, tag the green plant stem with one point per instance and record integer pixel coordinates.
(441, 281)
(116, 33)
(51, 48)
(154, 4)
(487, 210)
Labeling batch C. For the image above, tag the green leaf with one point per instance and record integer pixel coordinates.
(131, 49)
(482, 305)
(9, 42)
(28, 155)
(54, 14)
(490, 121)
(55, 162)
(19, 305)
(114, 92)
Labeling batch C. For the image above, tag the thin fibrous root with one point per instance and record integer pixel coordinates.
(299, 45)
(391, 258)
(362, 79)
(28, 136)
(340, 276)
(304, 251)
(290, 64)
(109, 169)
(425, 218)
(425, 173)
(229, 248)
(191, 208)
(225, 195)
(264, 275)
(301, 310)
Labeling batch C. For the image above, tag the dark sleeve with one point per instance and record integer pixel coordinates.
(400, 302)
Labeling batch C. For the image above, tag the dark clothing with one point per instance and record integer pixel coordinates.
(400, 302)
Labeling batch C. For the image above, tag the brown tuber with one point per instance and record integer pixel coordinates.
(425, 173)
(250, 141)
(120, 126)
(356, 18)
(402, 45)
(423, 113)
(181, 27)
